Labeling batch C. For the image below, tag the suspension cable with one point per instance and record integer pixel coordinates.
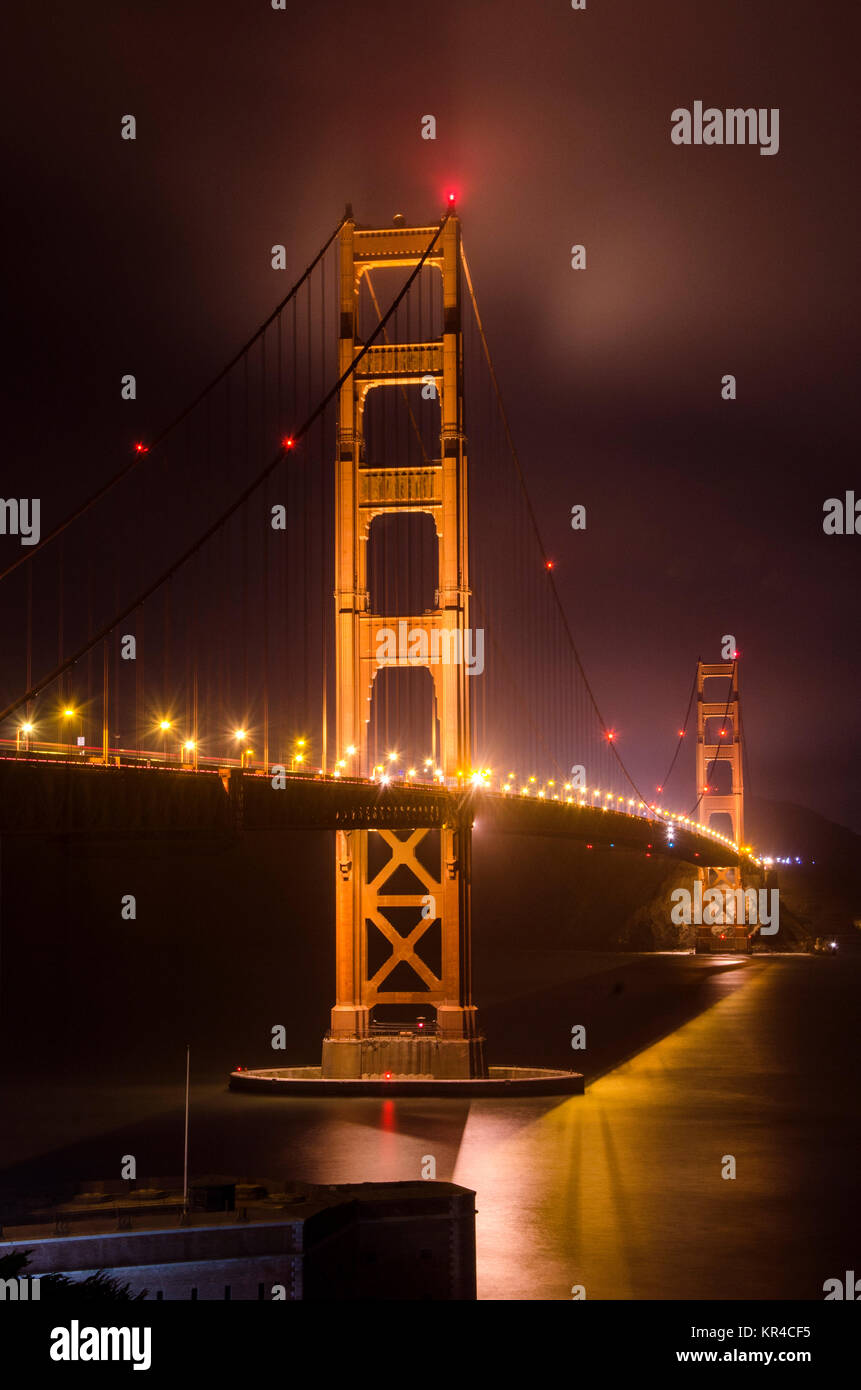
(239, 501)
(682, 733)
(177, 420)
(513, 450)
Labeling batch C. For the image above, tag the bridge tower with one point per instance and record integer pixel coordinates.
(727, 752)
(437, 862)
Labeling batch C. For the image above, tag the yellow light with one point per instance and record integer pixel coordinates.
(68, 713)
(300, 743)
(428, 762)
(532, 779)
(412, 772)
(189, 743)
(392, 757)
(300, 757)
(240, 733)
(165, 723)
(341, 763)
(26, 728)
(351, 751)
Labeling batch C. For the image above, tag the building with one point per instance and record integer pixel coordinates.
(263, 1240)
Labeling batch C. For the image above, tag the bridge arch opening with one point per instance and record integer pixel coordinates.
(717, 690)
(401, 427)
(418, 318)
(403, 564)
(714, 727)
(721, 821)
(403, 721)
(719, 777)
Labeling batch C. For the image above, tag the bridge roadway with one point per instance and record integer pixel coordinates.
(76, 798)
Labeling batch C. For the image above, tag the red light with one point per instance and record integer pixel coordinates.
(588, 846)
(681, 733)
(387, 1076)
(288, 442)
(451, 197)
(723, 733)
(141, 448)
(548, 564)
(610, 735)
(659, 789)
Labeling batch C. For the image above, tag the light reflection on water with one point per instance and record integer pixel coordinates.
(620, 1190)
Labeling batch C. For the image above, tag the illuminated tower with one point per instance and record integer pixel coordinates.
(432, 866)
(716, 717)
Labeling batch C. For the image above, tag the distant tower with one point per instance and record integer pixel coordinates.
(724, 752)
(438, 877)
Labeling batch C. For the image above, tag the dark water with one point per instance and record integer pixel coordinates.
(619, 1190)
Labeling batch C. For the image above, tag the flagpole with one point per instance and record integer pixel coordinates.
(185, 1156)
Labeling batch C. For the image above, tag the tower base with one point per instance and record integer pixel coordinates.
(379, 1058)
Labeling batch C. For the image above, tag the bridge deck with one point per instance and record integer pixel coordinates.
(89, 799)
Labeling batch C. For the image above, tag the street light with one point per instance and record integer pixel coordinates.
(164, 725)
(26, 730)
(68, 713)
(244, 753)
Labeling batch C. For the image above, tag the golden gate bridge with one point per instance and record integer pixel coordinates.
(232, 632)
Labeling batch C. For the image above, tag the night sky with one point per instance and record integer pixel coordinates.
(256, 126)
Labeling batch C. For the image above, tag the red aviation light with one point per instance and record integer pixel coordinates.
(288, 442)
(141, 448)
